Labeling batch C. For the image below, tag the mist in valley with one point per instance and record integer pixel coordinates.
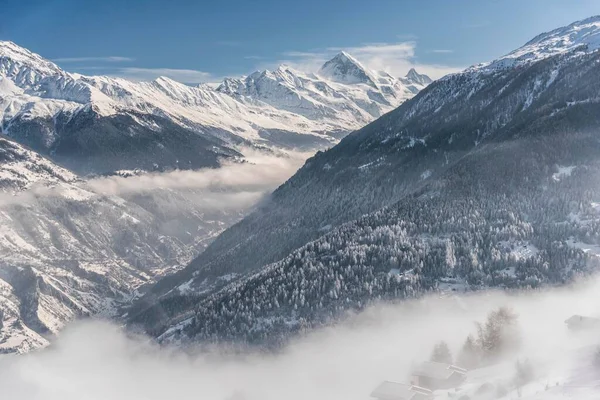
(98, 360)
(90, 246)
(258, 174)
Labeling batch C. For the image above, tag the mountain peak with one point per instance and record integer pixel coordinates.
(23, 66)
(8, 46)
(165, 80)
(17, 53)
(584, 34)
(414, 77)
(581, 32)
(344, 68)
(342, 55)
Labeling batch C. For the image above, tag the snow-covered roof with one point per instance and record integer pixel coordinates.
(435, 370)
(582, 320)
(398, 391)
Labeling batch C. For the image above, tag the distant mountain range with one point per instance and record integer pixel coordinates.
(101, 124)
(485, 178)
(68, 251)
(488, 177)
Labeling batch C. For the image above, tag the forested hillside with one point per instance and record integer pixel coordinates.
(483, 223)
(540, 95)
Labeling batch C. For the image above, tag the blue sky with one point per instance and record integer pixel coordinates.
(194, 41)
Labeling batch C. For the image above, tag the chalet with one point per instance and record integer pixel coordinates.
(435, 375)
(399, 391)
(578, 322)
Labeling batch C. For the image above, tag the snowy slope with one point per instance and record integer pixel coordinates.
(21, 168)
(40, 104)
(344, 94)
(67, 251)
(427, 162)
(583, 36)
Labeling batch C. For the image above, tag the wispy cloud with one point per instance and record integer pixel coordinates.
(394, 58)
(190, 76)
(442, 51)
(110, 59)
(306, 54)
(262, 173)
(253, 57)
(180, 75)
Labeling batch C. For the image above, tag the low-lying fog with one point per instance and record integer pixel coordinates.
(98, 240)
(188, 208)
(260, 174)
(96, 360)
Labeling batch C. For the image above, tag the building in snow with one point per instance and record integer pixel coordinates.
(579, 322)
(435, 375)
(399, 391)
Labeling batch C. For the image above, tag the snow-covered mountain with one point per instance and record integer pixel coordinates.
(67, 251)
(101, 124)
(343, 92)
(414, 78)
(487, 177)
(579, 37)
(21, 168)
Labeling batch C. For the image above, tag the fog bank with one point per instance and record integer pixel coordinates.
(233, 185)
(96, 360)
(259, 173)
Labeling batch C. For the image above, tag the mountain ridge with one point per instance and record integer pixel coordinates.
(70, 252)
(284, 109)
(403, 155)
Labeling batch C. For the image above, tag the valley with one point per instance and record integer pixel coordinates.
(110, 185)
(362, 213)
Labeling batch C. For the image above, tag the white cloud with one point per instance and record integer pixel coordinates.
(394, 58)
(111, 59)
(232, 186)
(396, 50)
(442, 51)
(180, 75)
(303, 54)
(261, 174)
